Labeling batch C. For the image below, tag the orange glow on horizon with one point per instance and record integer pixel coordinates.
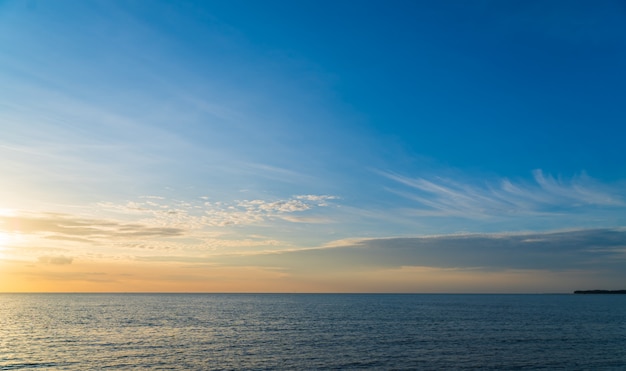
(176, 277)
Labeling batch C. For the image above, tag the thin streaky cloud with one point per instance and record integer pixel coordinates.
(62, 226)
(303, 219)
(577, 190)
(273, 172)
(55, 260)
(547, 196)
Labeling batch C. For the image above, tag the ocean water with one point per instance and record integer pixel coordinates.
(312, 331)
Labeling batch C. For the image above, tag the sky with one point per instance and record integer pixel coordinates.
(312, 146)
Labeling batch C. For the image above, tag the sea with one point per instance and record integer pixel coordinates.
(312, 332)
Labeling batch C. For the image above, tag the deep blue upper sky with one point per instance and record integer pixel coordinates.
(501, 86)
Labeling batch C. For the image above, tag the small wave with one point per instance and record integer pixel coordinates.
(17, 366)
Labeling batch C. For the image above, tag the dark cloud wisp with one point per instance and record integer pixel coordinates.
(66, 227)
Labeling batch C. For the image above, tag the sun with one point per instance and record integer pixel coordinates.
(5, 240)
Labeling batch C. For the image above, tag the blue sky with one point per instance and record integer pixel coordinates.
(264, 135)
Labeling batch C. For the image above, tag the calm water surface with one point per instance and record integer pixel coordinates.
(310, 331)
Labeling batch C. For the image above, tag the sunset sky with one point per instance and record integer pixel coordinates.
(312, 146)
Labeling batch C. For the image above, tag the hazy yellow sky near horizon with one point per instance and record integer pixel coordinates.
(170, 277)
(46, 254)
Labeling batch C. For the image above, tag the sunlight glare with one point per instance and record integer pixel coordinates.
(5, 240)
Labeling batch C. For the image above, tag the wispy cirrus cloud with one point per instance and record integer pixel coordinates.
(274, 172)
(203, 213)
(546, 195)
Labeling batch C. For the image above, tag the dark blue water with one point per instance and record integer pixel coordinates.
(310, 331)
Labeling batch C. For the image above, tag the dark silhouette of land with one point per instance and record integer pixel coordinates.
(600, 292)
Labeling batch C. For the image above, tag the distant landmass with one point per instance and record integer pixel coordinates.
(600, 292)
